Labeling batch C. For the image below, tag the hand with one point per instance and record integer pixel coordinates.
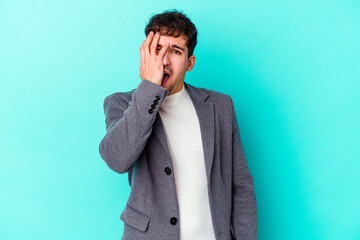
(151, 64)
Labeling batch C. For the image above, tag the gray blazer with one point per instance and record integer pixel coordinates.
(135, 143)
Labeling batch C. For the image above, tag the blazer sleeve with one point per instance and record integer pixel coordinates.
(129, 124)
(244, 210)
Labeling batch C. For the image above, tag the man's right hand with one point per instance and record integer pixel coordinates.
(151, 64)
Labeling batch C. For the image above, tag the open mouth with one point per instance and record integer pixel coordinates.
(165, 79)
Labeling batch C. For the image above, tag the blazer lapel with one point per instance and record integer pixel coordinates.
(159, 130)
(205, 113)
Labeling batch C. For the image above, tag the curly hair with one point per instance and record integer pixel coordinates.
(174, 23)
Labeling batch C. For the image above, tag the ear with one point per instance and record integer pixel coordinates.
(191, 63)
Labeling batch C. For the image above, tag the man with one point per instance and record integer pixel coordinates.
(180, 146)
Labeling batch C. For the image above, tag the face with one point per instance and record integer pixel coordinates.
(176, 62)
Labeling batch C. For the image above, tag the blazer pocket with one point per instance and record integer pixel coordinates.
(134, 218)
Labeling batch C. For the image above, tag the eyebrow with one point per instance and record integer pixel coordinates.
(174, 46)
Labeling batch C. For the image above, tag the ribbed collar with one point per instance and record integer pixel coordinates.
(175, 99)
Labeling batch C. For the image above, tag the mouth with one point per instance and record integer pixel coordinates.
(166, 78)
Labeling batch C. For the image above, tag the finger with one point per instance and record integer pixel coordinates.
(148, 41)
(149, 36)
(163, 50)
(142, 55)
(154, 44)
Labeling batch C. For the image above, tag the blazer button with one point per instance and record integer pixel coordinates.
(167, 170)
(150, 111)
(173, 220)
(153, 106)
(155, 102)
(157, 98)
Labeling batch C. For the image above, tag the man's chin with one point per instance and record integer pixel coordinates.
(168, 87)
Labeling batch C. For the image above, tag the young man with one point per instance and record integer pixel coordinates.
(180, 146)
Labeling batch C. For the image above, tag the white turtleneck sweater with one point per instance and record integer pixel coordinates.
(183, 135)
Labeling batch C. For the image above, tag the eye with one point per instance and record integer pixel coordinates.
(176, 52)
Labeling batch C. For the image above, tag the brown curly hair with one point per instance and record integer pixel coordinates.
(174, 23)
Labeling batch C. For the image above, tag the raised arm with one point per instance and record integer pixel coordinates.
(129, 125)
(129, 119)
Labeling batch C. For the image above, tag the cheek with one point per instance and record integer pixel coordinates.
(179, 65)
(182, 65)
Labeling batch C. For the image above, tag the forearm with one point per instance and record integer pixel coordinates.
(244, 216)
(244, 211)
(129, 129)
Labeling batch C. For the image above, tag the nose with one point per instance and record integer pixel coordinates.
(166, 60)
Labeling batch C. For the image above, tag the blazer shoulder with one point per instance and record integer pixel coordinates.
(116, 102)
(120, 97)
(216, 97)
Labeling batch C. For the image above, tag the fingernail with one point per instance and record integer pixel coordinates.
(157, 33)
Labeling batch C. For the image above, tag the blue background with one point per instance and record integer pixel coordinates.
(292, 68)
